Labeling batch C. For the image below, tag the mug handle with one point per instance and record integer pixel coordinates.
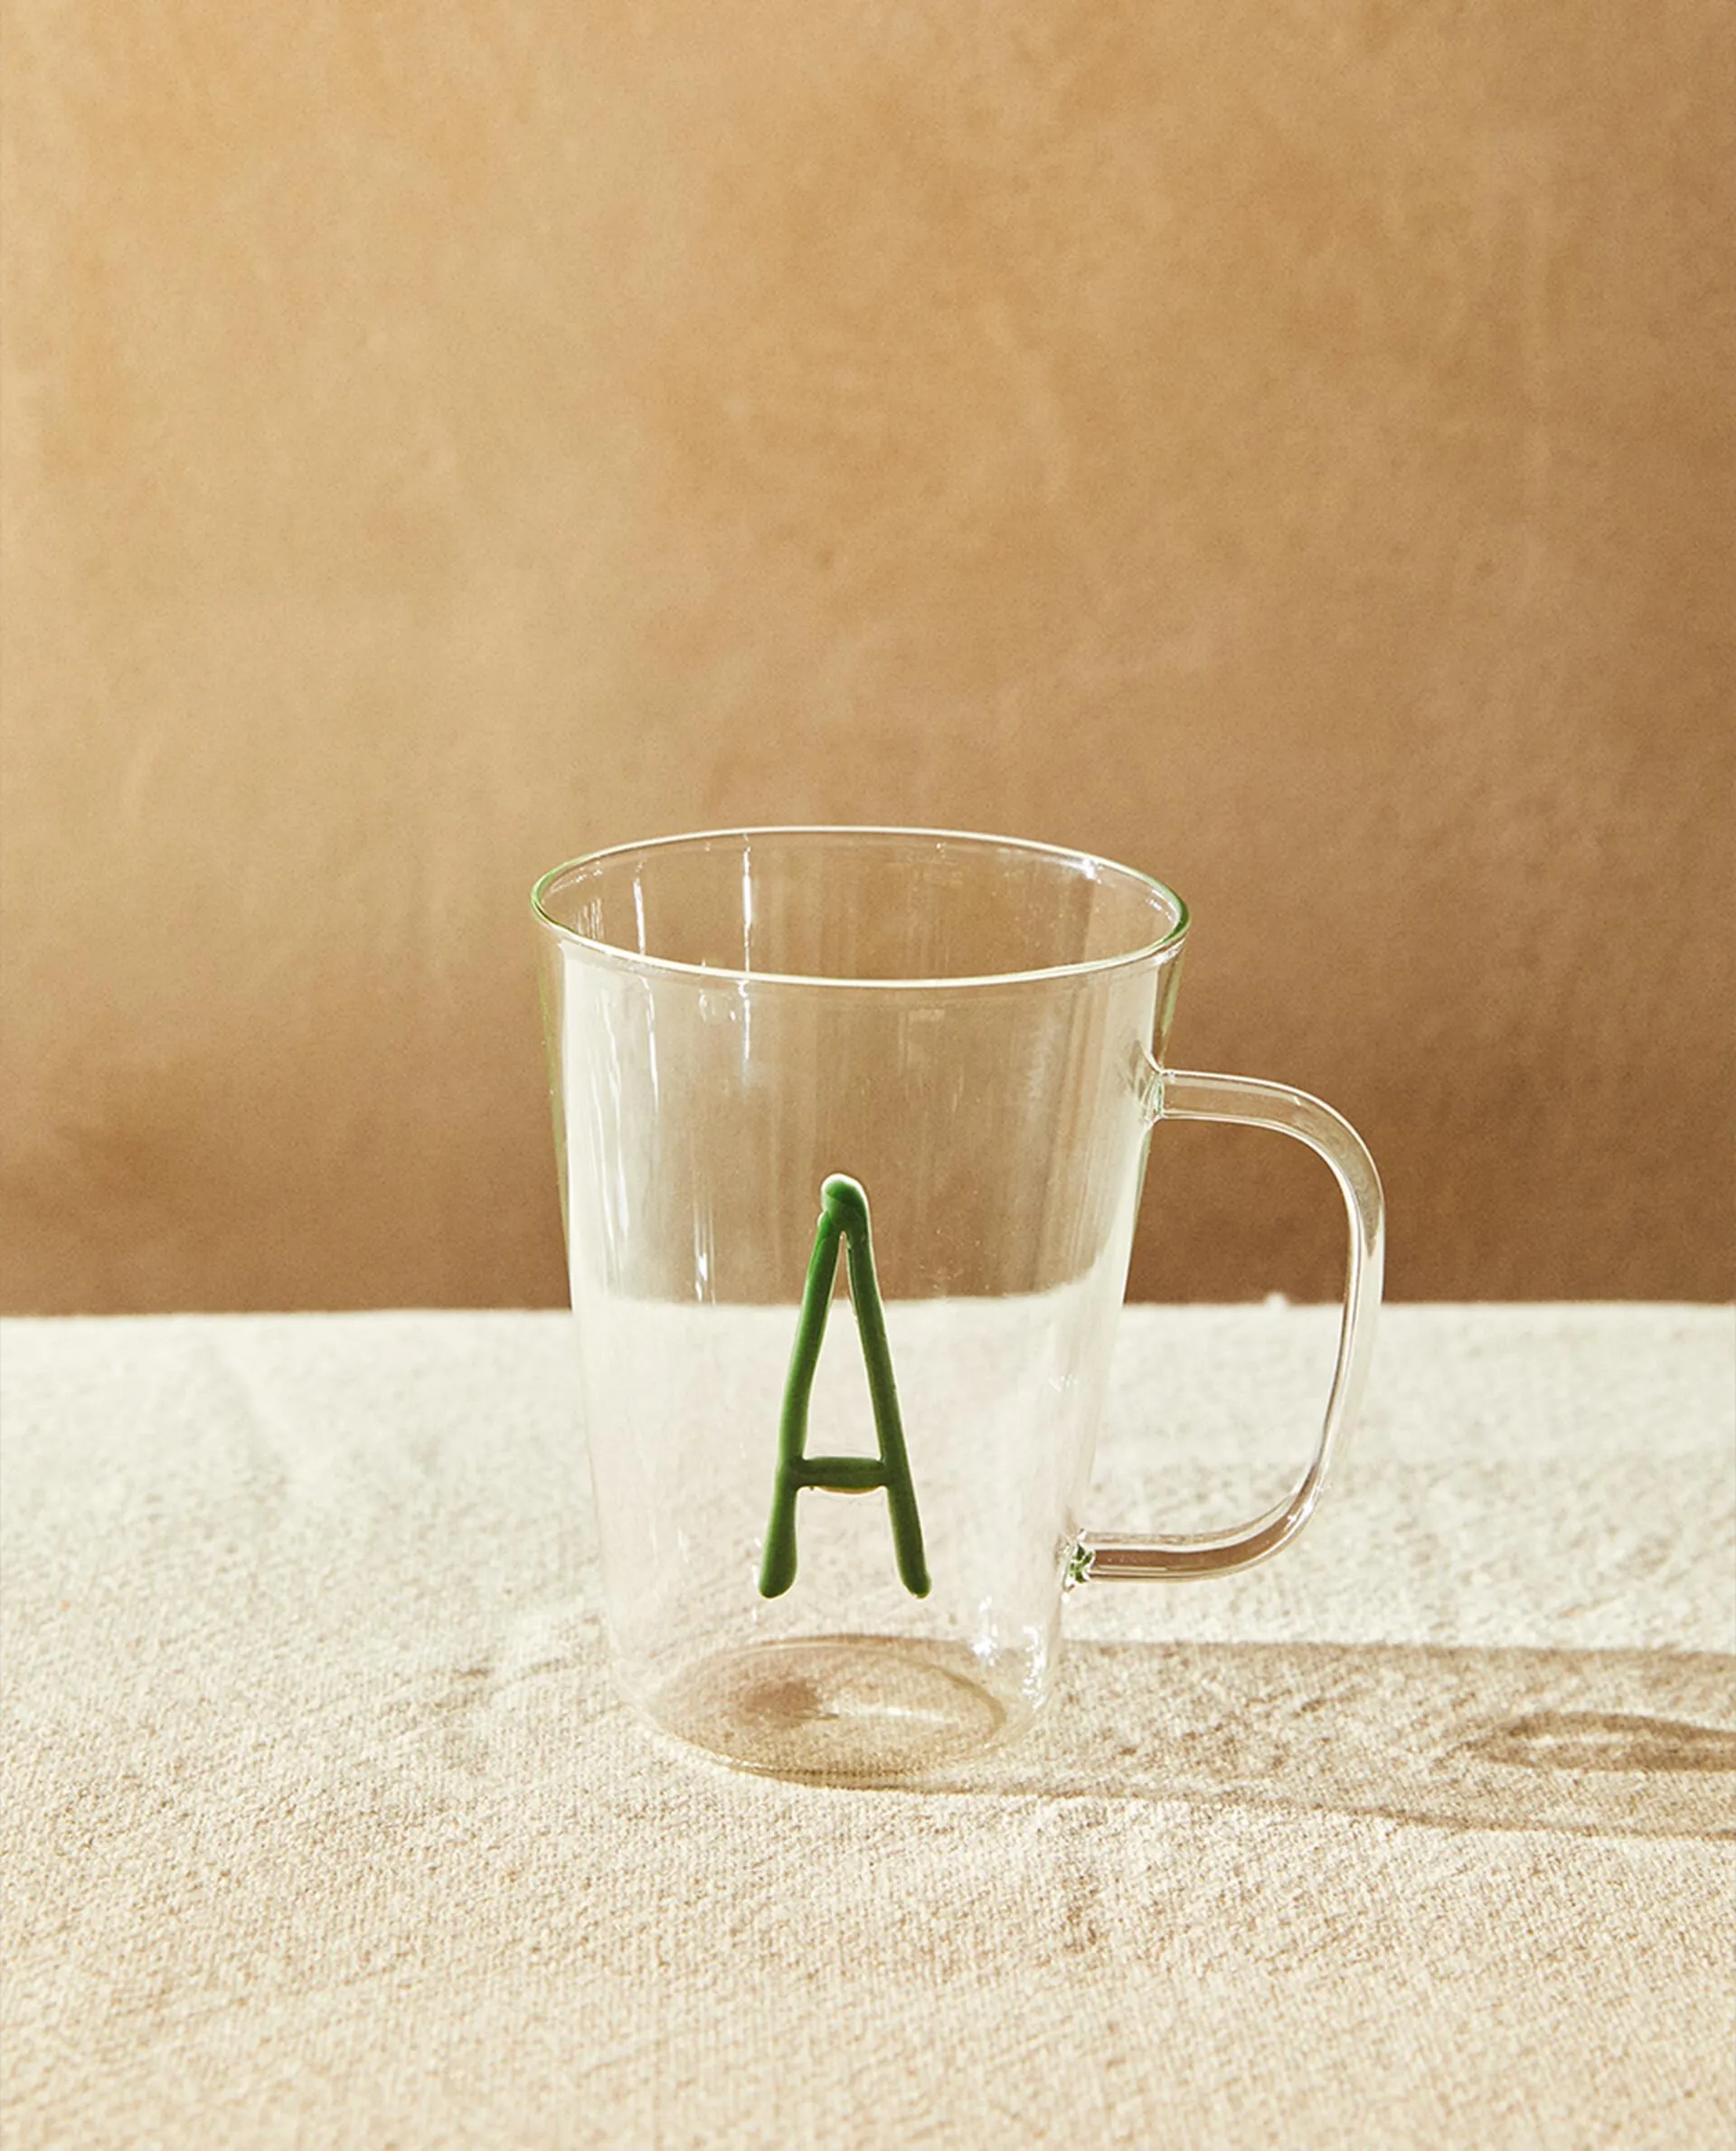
(1175, 1094)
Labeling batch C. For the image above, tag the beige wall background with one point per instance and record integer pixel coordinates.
(1287, 446)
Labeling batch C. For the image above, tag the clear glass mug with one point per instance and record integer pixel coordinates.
(924, 1066)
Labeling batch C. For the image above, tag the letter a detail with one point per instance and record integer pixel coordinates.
(844, 1215)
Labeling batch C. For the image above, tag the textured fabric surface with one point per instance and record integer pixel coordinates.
(322, 1826)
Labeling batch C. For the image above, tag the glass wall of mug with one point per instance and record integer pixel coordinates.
(961, 1030)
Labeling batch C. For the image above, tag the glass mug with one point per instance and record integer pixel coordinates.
(906, 1079)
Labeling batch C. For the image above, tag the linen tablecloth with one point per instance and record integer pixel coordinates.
(322, 1826)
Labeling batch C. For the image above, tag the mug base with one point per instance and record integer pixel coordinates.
(838, 1710)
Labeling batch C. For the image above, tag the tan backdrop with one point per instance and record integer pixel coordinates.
(1287, 447)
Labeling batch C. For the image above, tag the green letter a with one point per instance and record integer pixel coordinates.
(844, 1215)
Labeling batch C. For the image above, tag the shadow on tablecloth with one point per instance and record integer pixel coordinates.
(1611, 1743)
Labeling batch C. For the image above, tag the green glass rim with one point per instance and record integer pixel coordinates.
(1091, 863)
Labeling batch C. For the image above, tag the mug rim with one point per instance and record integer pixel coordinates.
(1095, 865)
